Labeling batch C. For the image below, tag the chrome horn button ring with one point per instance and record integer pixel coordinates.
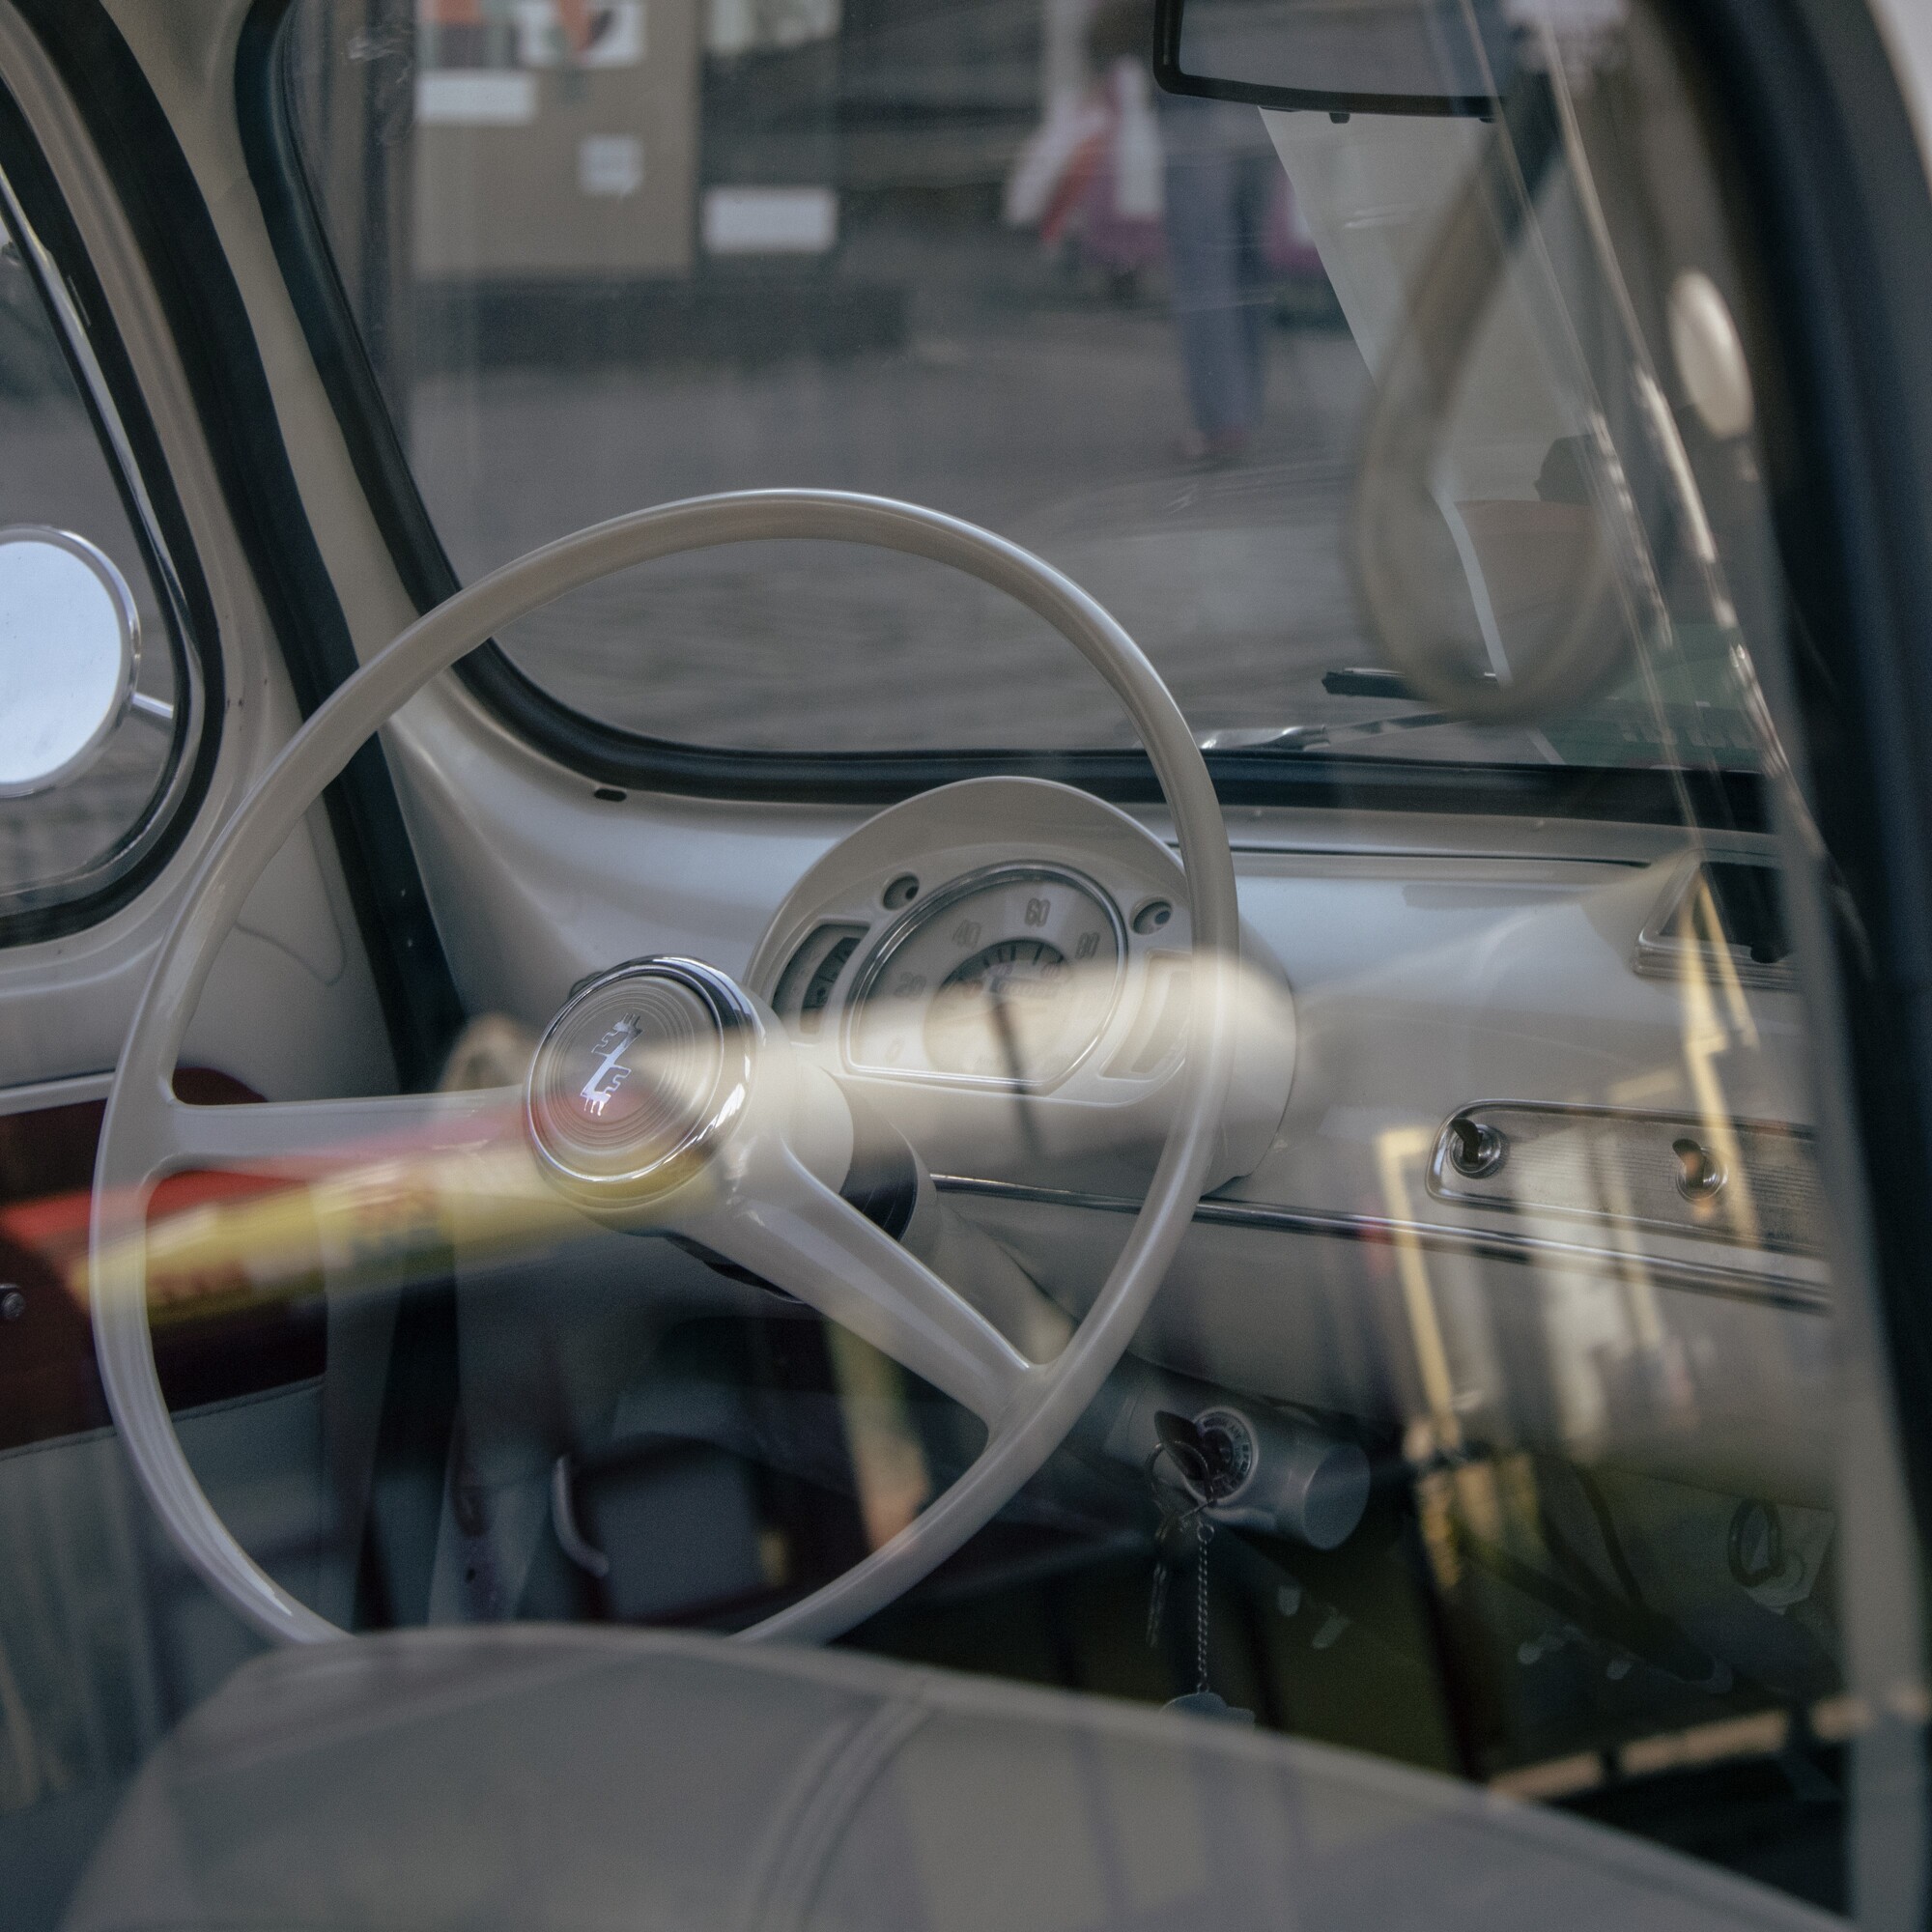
(639, 1078)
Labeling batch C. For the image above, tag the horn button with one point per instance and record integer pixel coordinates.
(639, 1078)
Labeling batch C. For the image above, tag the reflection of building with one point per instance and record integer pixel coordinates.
(589, 180)
(562, 137)
(554, 179)
(555, 137)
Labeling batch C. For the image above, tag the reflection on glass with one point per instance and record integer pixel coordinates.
(1419, 450)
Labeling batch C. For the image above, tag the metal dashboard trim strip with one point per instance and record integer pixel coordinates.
(1522, 1250)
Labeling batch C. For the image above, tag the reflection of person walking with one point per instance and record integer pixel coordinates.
(1221, 186)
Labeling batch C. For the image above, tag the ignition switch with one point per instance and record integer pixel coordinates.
(1253, 1465)
(1213, 1452)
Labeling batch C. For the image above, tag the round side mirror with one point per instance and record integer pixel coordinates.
(70, 647)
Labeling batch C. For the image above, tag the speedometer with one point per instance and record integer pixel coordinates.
(1006, 977)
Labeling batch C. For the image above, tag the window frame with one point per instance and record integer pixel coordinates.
(201, 306)
(608, 755)
(1828, 194)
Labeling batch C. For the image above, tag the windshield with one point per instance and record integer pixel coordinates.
(965, 259)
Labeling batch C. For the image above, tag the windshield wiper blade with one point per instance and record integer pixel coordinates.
(1365, 681)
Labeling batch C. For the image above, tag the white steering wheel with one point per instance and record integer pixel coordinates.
(734, 1142)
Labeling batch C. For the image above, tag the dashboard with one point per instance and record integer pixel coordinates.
(1492, 1111)
(1545, 978)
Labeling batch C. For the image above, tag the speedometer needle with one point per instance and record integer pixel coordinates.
(1010, 1045)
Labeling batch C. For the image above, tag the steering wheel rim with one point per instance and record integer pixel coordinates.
(142, 1114)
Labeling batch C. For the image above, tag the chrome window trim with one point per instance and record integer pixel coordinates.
(1445, 1185)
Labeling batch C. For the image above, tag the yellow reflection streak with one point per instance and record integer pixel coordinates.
(1705, 1037)
(367, 1219)
(888, 1460)
(1438, 1492)
(1394, 1148)
(1620, 1218)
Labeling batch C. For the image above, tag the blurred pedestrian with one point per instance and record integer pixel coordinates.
(1224, 199)
(1222, 205)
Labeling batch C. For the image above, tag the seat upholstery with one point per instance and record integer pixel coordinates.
(594, 1780)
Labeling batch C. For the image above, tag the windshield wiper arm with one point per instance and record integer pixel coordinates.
(1279, 738)
(1348, 681)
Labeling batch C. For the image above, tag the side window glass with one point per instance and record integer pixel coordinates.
(98, 692)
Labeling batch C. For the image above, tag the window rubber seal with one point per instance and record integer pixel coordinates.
(606, 756)
(209, 325)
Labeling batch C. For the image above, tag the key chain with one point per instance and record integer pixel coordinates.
(1201, 1701)
(1173, 1523)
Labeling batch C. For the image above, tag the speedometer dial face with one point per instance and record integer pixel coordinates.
(1007, 978)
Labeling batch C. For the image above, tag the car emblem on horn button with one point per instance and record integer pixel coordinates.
(611, 1072)
(637, 1077)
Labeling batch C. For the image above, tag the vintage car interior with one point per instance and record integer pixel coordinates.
(804, 1127)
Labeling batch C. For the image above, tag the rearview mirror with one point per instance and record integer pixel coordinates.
(70, 647)
(1343, 56)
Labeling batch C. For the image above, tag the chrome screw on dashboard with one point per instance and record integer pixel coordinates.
(1475, 1149)
(1701, 1176)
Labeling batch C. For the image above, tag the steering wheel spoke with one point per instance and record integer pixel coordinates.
(304, 1139)
(383, 1175)
(799, 1235)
